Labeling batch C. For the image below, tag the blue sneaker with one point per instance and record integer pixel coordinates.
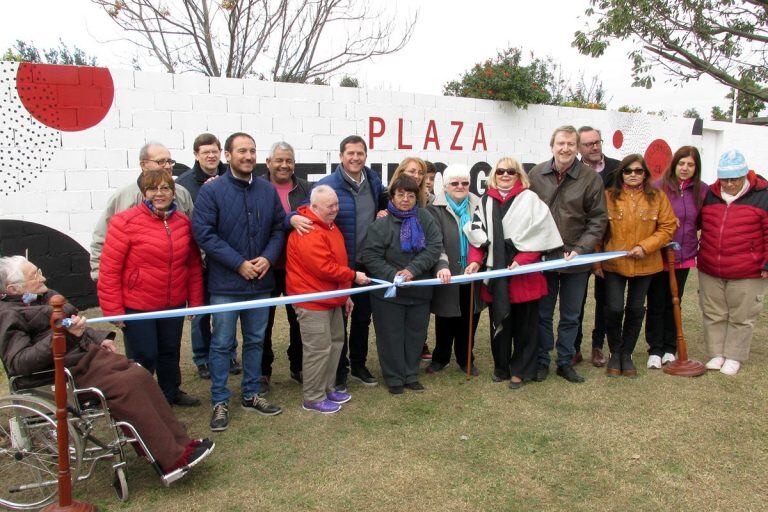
(323, 407)
(339, 397)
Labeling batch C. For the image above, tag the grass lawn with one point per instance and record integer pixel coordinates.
(655, 442)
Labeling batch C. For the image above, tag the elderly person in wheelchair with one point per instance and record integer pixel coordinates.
(132, 396)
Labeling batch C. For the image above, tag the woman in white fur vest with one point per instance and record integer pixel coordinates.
(511, 227)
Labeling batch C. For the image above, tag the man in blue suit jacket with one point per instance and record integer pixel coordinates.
(358, 189)
(238, 222)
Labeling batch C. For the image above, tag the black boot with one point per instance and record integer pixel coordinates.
(613, 369)
(627, 366)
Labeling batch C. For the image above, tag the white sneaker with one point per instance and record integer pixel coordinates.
(715, 363)
(730, 367)
(654, 362)
(668, 358)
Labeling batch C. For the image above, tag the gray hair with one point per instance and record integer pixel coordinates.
(281, 145)
(585, 129)
(319, 190)
(144, 151)
(564, 129)
(10, 271)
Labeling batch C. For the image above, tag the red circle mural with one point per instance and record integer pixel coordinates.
(68, 98)
(618, 139)
(657, 157)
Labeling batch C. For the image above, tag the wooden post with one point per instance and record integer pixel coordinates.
(62, 426)
(682, 366)
(470, 338)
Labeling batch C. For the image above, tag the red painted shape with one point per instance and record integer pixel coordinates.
(400, 144)
(480, 138)
(68, 98)
(618, 139)
(657, 157)
(459, 125)
(372, 134)
(431, 135)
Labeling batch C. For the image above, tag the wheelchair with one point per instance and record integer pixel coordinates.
(29, 448)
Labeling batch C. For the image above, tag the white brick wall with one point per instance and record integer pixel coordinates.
(89, 165)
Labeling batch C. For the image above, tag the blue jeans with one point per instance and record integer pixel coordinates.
(253, 322)
(570, 289)
(201, 334)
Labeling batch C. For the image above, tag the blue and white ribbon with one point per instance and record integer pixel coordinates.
(391, 288)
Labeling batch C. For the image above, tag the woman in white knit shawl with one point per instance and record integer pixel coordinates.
(511, 227)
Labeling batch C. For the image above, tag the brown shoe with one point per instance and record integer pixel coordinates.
(576, 359)
(614, 365)
(598, 358)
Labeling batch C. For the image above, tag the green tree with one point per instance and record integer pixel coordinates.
(632, 109)
(349, 81)
(583, 95)
(505, 78)
(725, 39)
(692, 113)
(23, 51)
(746, 107)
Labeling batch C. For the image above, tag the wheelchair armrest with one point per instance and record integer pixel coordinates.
(33, 380)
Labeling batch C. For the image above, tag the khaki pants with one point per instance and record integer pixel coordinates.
(729, 308)
(322, 337)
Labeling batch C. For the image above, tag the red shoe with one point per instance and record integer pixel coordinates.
(425, 354)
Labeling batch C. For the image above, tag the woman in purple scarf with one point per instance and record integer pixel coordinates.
(406, 243)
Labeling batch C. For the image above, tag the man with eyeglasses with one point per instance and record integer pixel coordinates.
(208, 166)
(575, 196)
(152, 156)
(591, 151)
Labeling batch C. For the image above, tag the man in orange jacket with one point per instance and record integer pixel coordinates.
(317, 262)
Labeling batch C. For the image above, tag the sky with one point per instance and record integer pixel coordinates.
(450, 37)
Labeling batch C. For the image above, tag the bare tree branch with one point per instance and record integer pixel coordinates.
(290, 40)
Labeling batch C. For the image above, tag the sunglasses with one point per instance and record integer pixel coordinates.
(457, 183)
(501, 172)
(633, 170)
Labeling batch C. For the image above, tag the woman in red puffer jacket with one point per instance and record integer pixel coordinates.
(149, 262)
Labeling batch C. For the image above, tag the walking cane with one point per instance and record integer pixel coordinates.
(66, 503)
(682, 366)
(470, 340)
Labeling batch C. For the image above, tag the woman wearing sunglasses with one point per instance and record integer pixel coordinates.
(452, 208)
(511, 227)
(641, 222)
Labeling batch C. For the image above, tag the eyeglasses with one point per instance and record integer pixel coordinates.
(501, 172)
(593, 144)
(210, 152)
(163, 162)
(405, 195)
(457, 183)
(633, 170)
(165, 189)
(38, 277)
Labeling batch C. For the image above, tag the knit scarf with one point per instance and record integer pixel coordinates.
(412, 237)
(160, 215)
(462, 212)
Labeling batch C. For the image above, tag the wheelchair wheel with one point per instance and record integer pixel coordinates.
(29, 452)
(120, 483)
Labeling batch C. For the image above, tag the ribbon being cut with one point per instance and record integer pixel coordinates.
(586, 259)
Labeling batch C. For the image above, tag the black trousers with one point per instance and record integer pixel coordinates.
(400, 333)
(624, 318)
(598, 332)
(515, 349)
(294, 344)
(660, 329)
(156, 345)
(453, 331)
(357, 342)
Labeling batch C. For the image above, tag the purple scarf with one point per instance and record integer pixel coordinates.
(412, 237)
